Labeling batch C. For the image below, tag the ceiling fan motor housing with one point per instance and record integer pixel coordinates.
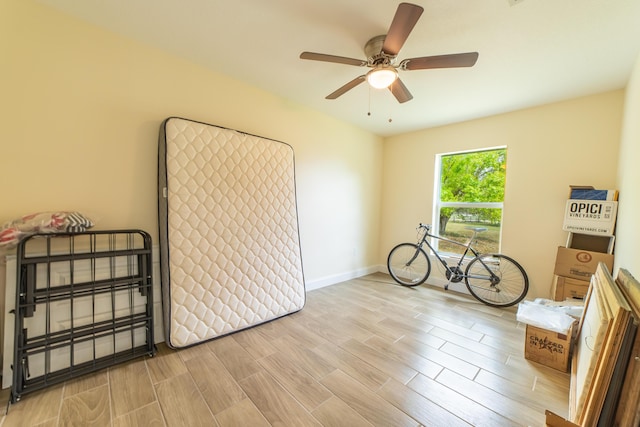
(374, 53)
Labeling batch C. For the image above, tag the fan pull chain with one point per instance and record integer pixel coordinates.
(369, 107)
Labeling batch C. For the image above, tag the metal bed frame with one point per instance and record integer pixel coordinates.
(84, 302)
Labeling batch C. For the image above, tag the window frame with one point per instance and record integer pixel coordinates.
(438, 204)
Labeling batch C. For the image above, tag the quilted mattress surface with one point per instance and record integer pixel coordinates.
(229, 241)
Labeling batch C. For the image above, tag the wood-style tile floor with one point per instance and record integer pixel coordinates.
(361, 353)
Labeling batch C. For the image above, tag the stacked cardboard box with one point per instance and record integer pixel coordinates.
(590, 218)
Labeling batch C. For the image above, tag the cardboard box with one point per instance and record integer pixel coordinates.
(591, 243)
(597, 217)
(549, 348)
(579, 264)
(567, 288)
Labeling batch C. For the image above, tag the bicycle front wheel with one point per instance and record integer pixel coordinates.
(408, 264)
(507, 286)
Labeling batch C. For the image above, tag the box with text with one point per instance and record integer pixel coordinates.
(549, 348)
(596, 217)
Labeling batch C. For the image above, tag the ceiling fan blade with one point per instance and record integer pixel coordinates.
(400, 91)
(332, 58)
(405, 19)
(353, 83)
(441, 61)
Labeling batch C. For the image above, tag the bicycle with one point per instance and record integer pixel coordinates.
(494, 279)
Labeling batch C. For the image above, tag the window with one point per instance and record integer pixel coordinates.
(470, 192)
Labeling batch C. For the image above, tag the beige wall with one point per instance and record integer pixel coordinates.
(548, 148)
(80, 113)
(628, 226)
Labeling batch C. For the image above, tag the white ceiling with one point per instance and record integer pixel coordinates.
(532, 52)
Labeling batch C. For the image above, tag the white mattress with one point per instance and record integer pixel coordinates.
(230, 247)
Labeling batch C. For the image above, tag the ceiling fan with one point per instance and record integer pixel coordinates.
(381, 52)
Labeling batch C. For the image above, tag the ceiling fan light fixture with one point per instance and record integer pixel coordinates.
(382, 77)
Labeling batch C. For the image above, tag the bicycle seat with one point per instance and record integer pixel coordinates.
(477, 229)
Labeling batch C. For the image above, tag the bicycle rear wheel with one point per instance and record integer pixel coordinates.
(507, 287)
(408, 264)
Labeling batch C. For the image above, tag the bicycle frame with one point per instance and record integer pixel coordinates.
(455, 272)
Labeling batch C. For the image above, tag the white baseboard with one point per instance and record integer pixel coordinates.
(341, 277)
